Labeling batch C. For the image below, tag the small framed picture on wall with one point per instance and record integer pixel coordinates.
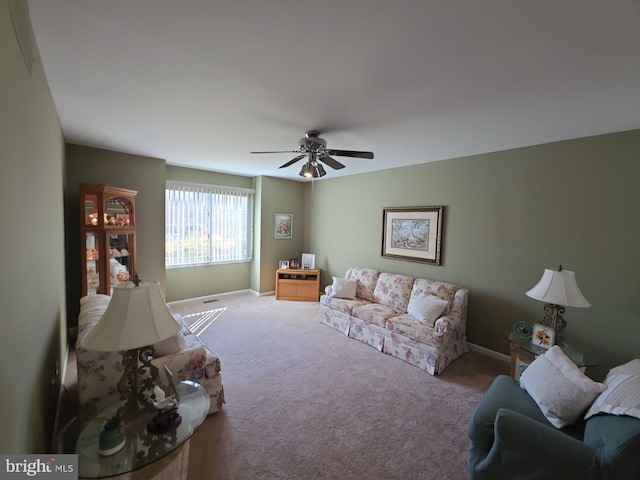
(284, 226)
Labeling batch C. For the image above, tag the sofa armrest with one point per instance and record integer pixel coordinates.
(526, 448)
(188, 364)
(456, 318)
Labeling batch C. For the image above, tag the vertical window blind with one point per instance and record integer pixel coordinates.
(207, 224)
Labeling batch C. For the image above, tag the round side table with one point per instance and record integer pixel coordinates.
(142, 448)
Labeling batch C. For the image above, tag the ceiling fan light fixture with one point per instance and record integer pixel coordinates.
(315, 148)
(306, 170)
(312, 170)
(318, 171)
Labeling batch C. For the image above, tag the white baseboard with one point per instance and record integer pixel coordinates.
(490, 353)
(263, 294)
(210, 297)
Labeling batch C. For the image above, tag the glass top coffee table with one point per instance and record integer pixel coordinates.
(81, 435)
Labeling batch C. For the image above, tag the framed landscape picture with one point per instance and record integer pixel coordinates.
(413, 233)
(284, 225)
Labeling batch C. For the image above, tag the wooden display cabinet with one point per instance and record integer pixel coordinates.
(301, 285)
(107, 237)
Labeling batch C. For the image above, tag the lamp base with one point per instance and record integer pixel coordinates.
(136, 362)
(553, 318)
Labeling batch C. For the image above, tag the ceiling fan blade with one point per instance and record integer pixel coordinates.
(280, 151)
(350, 153)
(291, 162)
(333, 163)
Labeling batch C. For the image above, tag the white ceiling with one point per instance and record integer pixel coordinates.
(203, 83)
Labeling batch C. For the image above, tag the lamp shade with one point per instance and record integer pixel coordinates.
(136, 317)
(559, 288)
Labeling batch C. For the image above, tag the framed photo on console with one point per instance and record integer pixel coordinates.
(308, 261)
(413, 233)
(294, 263)
(543, 336)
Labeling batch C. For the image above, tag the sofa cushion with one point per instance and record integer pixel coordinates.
(445, 291)
(559, 388)
(622, 394)
(504, 392)
(342, 304)
(375, 313)
(617, 437)
(393, 290)
(343, 288)
(409, 326)
(366, 280)
(426, 308)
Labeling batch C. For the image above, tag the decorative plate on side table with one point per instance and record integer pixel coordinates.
(523, 329)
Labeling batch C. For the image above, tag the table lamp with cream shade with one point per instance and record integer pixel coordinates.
(135, 319)
(558, 289)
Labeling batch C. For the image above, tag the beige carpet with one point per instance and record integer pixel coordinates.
(306, 402)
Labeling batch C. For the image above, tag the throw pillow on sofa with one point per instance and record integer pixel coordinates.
(427, 308)
(622, 395)
(559, 388)
(343, 288)
(171, 345)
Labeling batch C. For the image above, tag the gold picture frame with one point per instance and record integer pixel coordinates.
(413, 233)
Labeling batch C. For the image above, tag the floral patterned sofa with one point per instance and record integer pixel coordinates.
(417, 320)
(186, 357)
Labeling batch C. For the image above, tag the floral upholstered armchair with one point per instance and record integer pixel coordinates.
(184, 354)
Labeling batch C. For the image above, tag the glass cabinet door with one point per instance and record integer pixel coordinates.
(121, 252)
(90, 210)
(93, 262)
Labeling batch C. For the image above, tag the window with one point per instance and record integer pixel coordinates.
(207, 224)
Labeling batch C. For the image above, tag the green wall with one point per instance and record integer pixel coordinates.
(279, 196)
(145, 175)
(509, 215)
(32, 296)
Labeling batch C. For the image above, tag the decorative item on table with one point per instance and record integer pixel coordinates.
(294, 263)
(119, 272)
(284, 264)
(136, 318)
(308, 261)
(167, 417)
(543, 336)
(284, 226)
(523, 329)
(558, 289)
(413, 233)
(112, 438)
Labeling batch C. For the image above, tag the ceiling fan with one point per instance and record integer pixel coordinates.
(315, 148)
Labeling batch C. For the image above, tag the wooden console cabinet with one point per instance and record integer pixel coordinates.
(301, 285)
